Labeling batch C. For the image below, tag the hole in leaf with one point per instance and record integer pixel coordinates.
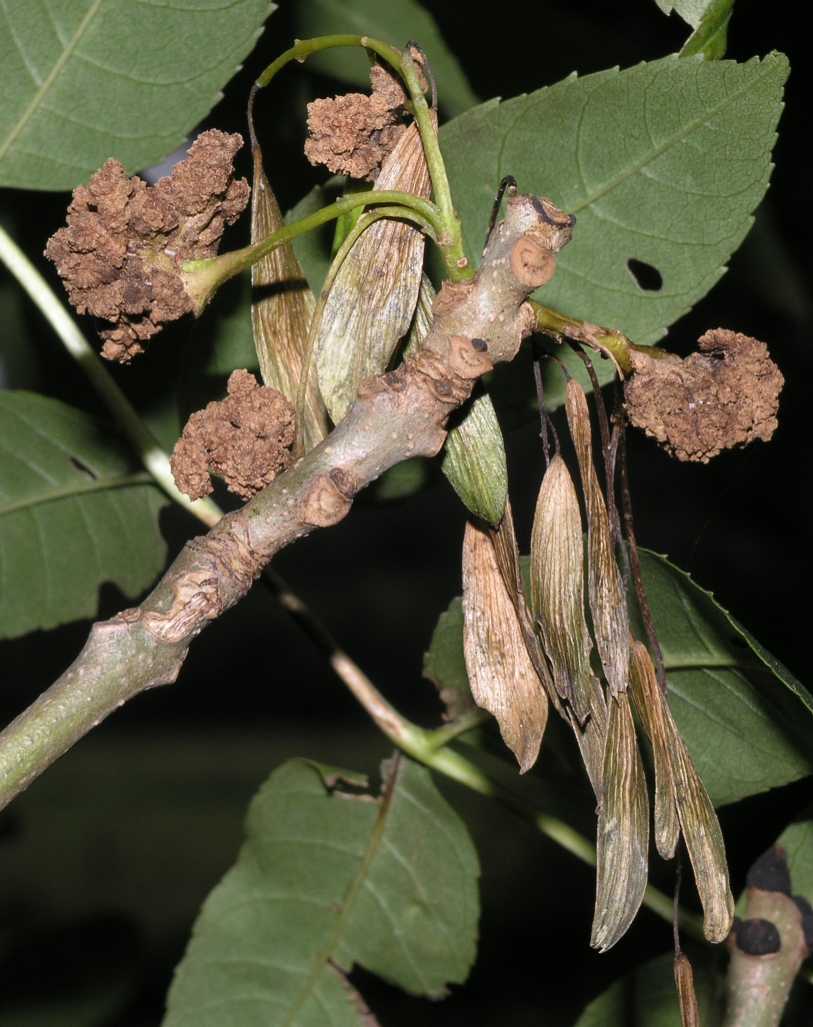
(83, 468)
(646, 276)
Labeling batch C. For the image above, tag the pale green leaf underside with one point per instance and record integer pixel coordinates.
(75, 513)
(662, 163)
(647, 998)
(84, 80)
(327, 879)
(397, 22)
(748, 728)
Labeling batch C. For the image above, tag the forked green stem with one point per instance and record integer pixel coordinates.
(203, 278)
(449, 235)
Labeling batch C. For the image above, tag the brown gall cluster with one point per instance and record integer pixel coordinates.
(352, 134)
(723, 396)
(120, 254)
(245, 439)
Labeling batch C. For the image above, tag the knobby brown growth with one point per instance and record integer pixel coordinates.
(121, 252)
(723, 396)
(352, 134)
(245, 439)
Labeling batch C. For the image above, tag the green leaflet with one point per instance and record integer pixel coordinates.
(663, 163)
(709, 19)
(444, 663)
(90, 79)
(329, 877)
(647, 998)
(75, 513)
(748, 728)
(397, 22)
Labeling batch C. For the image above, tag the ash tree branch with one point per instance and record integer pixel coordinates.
(397, 415)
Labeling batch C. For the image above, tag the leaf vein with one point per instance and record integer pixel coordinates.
(54, 73)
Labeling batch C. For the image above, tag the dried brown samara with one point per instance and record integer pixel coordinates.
(245, 439)
(121, 252)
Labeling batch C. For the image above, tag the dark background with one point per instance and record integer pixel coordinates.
(107, 858)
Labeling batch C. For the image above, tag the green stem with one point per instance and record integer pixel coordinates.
(467, 721)
(610, 341)
(452, 244)
(303, 48)
(204, 277)
(149, 451)
(450, 235)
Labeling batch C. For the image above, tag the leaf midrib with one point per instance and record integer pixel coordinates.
(591, 198)
(75, 489)
(52, 76)
(690, 126)
(373, 845)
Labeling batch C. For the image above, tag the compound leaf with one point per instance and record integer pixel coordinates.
(75, 513)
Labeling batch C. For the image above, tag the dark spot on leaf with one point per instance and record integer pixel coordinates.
(646, 276)
(83, 468)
